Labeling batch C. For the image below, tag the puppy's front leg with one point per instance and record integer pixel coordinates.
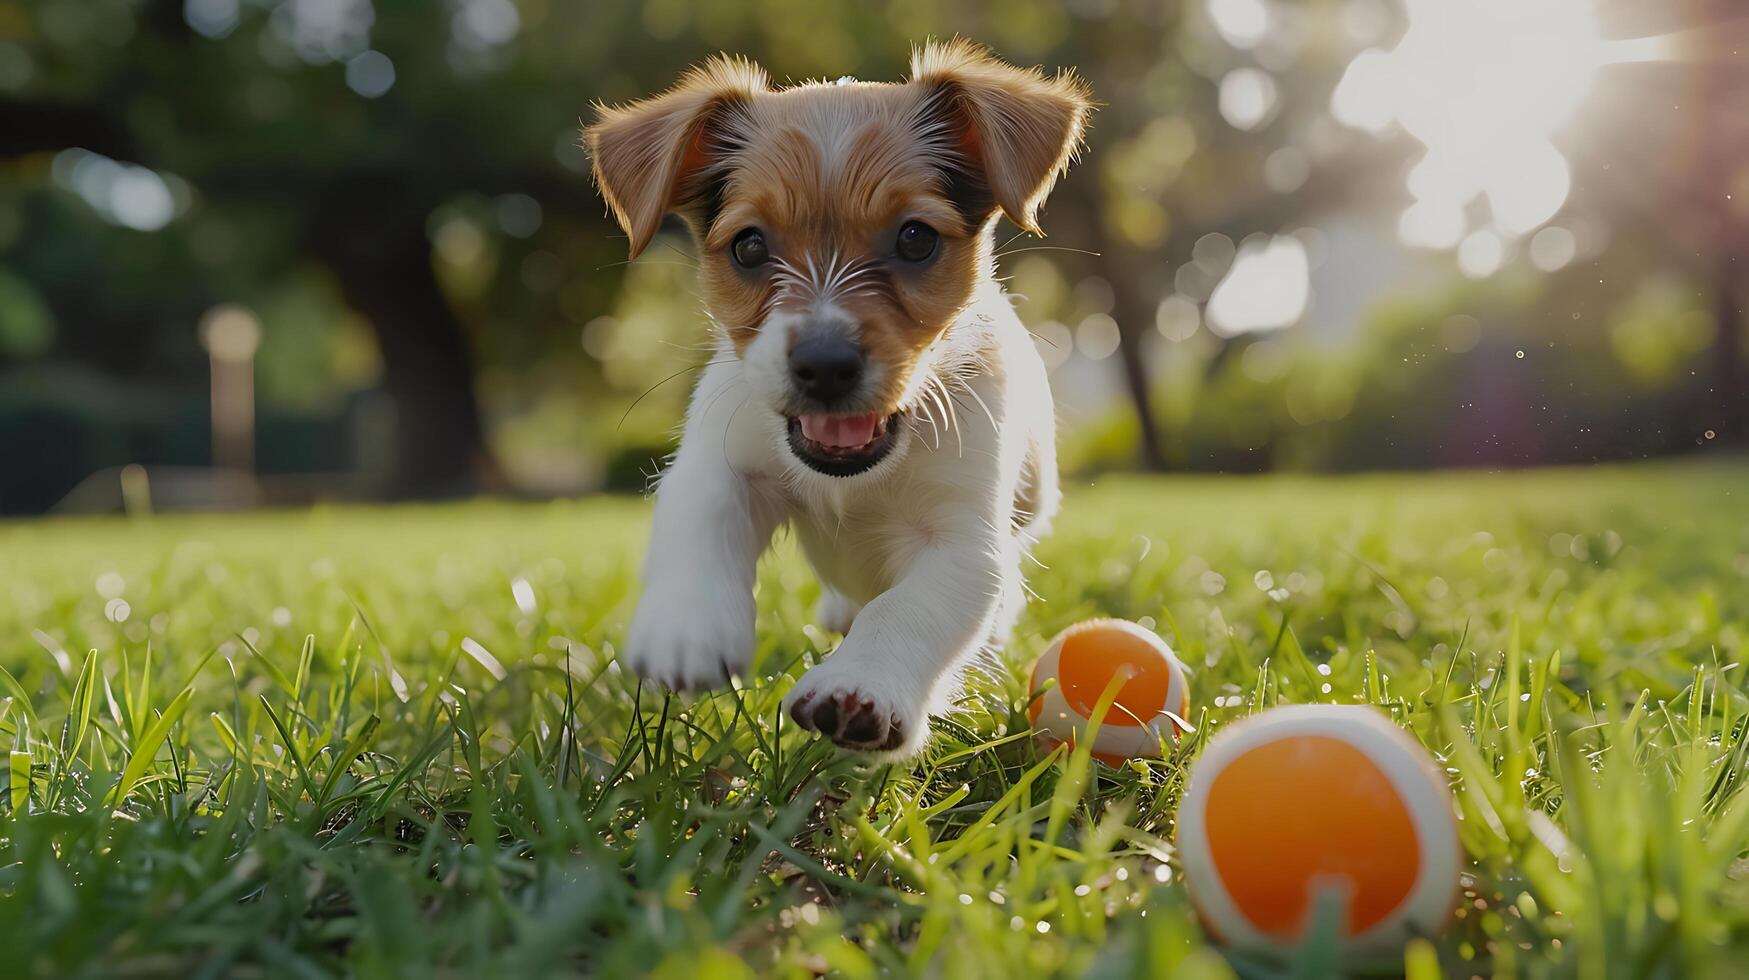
(694, 623)
(901, 658)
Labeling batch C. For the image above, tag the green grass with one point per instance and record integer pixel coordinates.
(282, 758)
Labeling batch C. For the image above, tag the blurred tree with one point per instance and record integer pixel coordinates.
(1720, 195)
(329, 132)
(340, 132)
(1682, 180)
(415, 161)
(1177, 168)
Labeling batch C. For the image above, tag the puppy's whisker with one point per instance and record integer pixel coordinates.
(925, 413)
(926, 400)
(705, 348)
(939, 392)
(959, 433)
(691, 261)
(1046, 248)
(646, 392)
(684, 265)
(835, 277)
(968, 389)
(730, 426)
(736, 383)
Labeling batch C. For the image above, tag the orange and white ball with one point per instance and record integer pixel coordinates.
(1083, 660)
(1307, 798)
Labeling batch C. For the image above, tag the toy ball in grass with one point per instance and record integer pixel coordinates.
(1312, 809)
(1089, 656)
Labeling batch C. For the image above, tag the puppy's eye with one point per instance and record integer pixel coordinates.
(749, 249)
(916, 242)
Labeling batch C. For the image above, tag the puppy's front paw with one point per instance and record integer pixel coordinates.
(686, 645)
(859, 713)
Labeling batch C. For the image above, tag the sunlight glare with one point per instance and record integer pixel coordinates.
(1267, 289)
(1481, 254)
(1526, 186)
(1364, 98)
(1247, 98)
(1098, 337)
(1432, 223)
(1553, 248)
(1241, 23)
(1483, 85)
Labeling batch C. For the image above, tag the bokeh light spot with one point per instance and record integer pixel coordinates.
(1267, 289)
(370, 74)
(1247, 98)
(1553, 248)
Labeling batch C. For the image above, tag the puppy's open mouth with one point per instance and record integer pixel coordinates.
(842, 445)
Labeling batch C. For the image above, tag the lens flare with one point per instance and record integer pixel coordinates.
(1484, 86)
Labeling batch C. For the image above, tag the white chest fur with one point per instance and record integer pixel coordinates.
(919, 558)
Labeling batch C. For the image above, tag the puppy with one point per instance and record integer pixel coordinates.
(873, 387)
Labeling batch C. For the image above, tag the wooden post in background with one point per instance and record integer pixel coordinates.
(231, 335)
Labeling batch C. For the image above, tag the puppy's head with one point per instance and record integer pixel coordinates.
(841, 227)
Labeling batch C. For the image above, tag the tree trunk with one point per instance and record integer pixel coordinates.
(41, 127)
(1724, 217)
(1730, 373)
(1135, 313)
(382, 259)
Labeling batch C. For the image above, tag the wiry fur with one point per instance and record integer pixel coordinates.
(919, 556)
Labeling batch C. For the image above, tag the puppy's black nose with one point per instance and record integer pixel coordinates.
(826, 369)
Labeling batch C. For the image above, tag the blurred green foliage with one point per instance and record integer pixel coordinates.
(394, 188)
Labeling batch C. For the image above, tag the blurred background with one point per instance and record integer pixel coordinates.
(279, 251)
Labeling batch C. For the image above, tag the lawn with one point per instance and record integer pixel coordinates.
(395, 742)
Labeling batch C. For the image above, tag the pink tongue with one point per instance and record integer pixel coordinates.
(841, 431)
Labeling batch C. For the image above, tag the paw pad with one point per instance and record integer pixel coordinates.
(849, 719)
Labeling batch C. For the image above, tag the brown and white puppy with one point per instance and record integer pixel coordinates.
(873, 387)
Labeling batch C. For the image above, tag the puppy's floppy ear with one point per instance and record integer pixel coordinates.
(648, 156)
(1019, 126)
